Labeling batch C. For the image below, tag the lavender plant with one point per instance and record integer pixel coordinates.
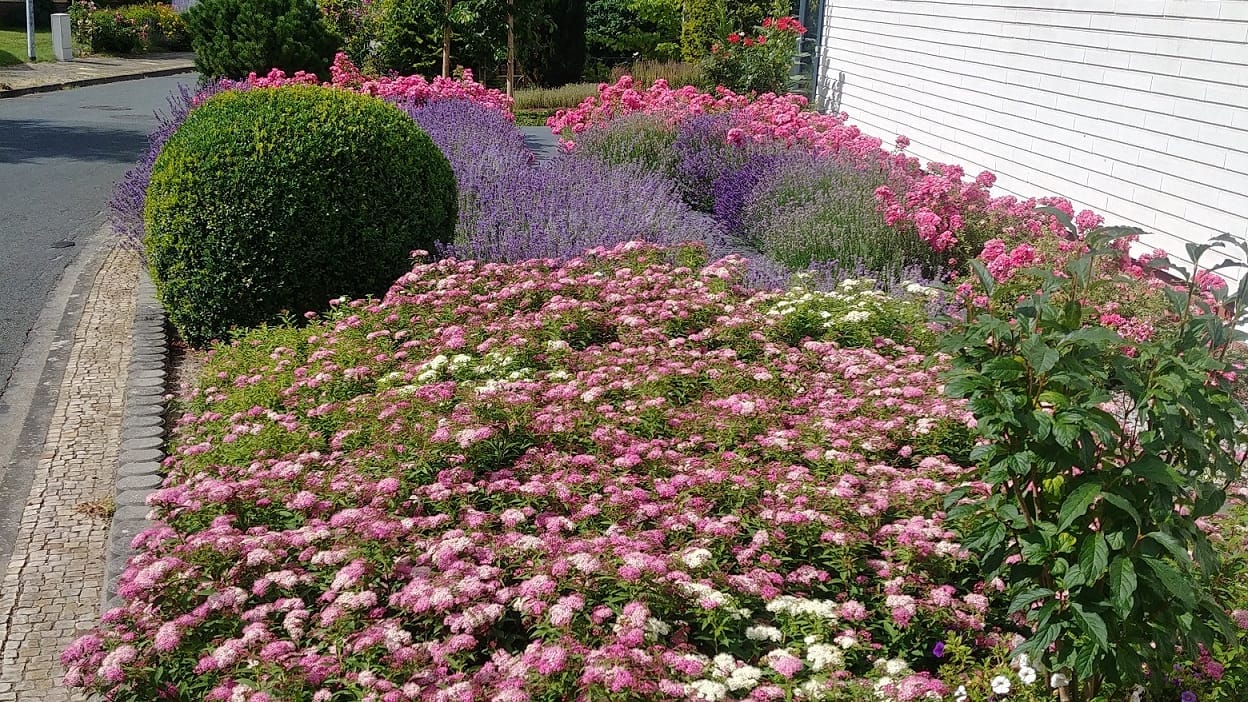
(734, 187)
(130, 195)
(702, 155)
(563, 207)
(512, 209)
(814, 209)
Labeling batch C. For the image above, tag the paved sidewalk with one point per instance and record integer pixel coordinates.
(54, 75)
(52, 584)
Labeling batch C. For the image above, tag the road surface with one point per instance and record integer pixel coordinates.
(60, 154)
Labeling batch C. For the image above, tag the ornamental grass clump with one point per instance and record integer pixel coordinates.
(272, 201)
(637, 140)
(610, 477)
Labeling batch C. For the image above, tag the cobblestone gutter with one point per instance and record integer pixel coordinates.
(54, 580)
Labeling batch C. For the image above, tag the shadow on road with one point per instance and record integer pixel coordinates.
(25, 140)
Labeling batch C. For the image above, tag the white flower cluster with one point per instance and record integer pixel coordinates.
(709, 690)
(763, 633)
(704, 592)
(708, 595)
(821, 656)
(854, 301)
(893, 670)
(434, 367)
(1002, 684)
(496, 367)
(798, 606)
(746, 677)
(916, 289)
(696, 557)
(657, 628)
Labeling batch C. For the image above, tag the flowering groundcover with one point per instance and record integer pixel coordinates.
(610, 478)
(616, 478)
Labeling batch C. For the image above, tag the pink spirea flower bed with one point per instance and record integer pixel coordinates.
(602, 478)
(416, 88)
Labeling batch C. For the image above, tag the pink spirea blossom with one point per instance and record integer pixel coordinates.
(397, 557)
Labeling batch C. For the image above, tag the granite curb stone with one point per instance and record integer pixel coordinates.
(143, 455)
(148, 481)
(140, 443)
(139, 464)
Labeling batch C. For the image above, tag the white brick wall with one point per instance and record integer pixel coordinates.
(1137, 109)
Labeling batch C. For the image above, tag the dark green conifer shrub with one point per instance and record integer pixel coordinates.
(232, 38)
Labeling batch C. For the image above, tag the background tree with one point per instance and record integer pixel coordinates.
(618, 29)
(554, 51)
(701, 26)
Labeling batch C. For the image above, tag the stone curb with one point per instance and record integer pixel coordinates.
(84, 82)
(139, 464)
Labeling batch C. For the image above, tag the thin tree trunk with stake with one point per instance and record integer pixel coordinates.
(511, 48)
(446, 40)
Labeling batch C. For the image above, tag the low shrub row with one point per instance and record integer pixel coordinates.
(627, 476)
(128, 29)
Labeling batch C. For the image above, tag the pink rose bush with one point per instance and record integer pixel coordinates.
(605, 478)
(414, 88)
(954, 214)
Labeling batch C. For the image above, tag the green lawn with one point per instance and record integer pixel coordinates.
(13, 45)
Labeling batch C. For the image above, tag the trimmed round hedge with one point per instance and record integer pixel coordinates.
(272, 201)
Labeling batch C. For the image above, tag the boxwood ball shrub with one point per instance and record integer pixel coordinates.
(275, 200)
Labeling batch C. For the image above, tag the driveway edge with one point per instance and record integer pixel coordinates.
(51, 87)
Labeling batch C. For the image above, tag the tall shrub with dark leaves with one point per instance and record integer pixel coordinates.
(1101, 457)
(555, 51)
(232, 38)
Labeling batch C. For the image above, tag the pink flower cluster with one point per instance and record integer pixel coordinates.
(937, 201)
(949, 211)
(416, 88)
(597, 478)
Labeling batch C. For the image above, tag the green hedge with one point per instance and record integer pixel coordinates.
(129, 29)
(273, 201)
(232, 38)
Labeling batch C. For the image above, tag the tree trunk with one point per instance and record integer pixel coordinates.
(446, 40)
(511, 48)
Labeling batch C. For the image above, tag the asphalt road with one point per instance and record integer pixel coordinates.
(60, 154)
